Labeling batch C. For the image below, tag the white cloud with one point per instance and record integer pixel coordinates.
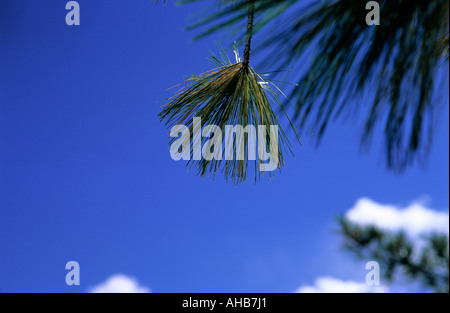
(120, 283)
(333, 285)
(415, 219)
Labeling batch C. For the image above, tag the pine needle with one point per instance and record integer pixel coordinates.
(231, 94)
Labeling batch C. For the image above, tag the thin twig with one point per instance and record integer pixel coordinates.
(248, 41)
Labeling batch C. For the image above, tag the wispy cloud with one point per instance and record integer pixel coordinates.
(334, 285)
(120, 283)
(415, 219)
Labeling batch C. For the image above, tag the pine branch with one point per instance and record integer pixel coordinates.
(248, 41)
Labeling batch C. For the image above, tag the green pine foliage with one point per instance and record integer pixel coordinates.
(388, 73)
(427, 263)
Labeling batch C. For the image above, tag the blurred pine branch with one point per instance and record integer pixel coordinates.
(427, 263)
(389, 72)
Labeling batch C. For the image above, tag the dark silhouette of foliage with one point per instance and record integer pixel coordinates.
(427, 263)
(389, 72)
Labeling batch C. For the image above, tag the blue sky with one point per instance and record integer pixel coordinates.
(86, 174)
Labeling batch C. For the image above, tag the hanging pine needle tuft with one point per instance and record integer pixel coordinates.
(229, 95)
